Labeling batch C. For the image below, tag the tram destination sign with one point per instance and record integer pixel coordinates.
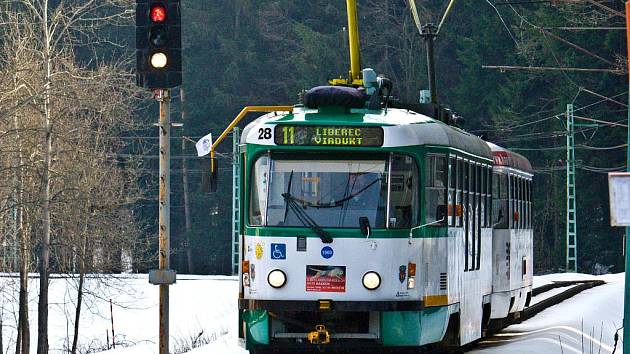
(321, 135)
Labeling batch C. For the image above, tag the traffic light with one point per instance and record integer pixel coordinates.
(158, 44)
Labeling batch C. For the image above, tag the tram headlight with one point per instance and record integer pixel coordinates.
(371, 280)
(277, 278)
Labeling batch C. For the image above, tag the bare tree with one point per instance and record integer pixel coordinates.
(57, 103)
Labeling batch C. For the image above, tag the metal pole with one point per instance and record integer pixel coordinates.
(163, 96)
(571, 254)
(236, 199)
(626, 307)
(353, 36)
(429, 34)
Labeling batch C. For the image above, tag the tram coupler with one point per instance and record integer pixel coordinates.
(319, 336)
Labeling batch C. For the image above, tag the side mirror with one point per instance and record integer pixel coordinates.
(364, 224)
(209, 180)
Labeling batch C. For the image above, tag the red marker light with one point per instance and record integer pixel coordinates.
(158, 14)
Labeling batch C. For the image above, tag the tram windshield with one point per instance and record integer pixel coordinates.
(331, 193)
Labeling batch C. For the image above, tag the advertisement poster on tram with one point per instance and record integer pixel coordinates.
(331, 279)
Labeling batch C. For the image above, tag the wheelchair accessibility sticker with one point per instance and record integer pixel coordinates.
(278, 251)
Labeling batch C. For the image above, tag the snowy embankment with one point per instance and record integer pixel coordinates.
(203, 310)
(583, 324)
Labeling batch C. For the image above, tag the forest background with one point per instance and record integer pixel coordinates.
(255, 52)
(245, 52)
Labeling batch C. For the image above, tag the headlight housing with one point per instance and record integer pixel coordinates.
(371, 280)
(277, 278)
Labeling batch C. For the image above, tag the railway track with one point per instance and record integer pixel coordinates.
(573, 288)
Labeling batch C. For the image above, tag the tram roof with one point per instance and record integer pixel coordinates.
(402, 128)
(507, 158)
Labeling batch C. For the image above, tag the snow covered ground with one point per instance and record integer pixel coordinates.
(583, 324)
(203, 309)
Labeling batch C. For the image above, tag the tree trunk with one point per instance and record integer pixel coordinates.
(187, 216)
(77, 313)
(22, 344)
(42, 315)
(1, 345)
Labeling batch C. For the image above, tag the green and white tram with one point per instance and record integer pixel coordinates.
(364, 226)
(369, 223)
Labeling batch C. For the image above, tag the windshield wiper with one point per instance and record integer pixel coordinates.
(286, 209)
(306, 219)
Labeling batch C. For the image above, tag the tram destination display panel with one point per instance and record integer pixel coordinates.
(305, 135)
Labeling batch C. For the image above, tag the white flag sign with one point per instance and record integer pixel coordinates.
(204, 145)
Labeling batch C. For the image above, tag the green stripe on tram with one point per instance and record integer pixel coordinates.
(427, 232)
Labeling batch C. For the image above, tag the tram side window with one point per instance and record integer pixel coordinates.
(480, 208)
(259, 183)
(473, 210)
(510, 214)
(479, 216)
(517, 197)
(452, 190)
(484, 192)
(523, 205)
(529, 204)
(435, 188)
(460, 191)
(517, 201)
(526, 204)
(523, 215)
(500, 215)
(489, 196)
(404, 192)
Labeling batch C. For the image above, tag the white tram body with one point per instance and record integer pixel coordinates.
(512, 239)
(447, 263)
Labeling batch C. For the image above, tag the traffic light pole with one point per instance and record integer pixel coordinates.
(164, 276)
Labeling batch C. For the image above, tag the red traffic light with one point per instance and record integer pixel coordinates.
(158, 14)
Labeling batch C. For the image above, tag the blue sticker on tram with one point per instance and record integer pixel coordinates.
(278, 251)
(327, 252)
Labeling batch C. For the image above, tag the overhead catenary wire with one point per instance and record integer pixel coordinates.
(575, 46)
(604, 97)
(562, 148)
(588, 28)
(560, 67)
(415, 15)
(504, 24)
(552, 68)
(606, 8)
(602, 148)
(550, 117)
(446, 13)
(602, 122)
(603, 170)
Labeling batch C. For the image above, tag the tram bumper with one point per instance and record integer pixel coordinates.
(351, 323)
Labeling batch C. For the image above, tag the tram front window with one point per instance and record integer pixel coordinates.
(324, 193)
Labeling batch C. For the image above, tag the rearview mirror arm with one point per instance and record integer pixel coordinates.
(421, 226)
